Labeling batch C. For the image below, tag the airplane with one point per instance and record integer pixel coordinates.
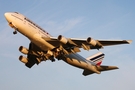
(44, 47)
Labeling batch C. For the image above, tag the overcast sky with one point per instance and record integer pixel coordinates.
(99, 19)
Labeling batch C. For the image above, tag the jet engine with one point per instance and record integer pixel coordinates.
(23, 50)
(91, 41)
(62, 39)
(23, 59)
(65, 40)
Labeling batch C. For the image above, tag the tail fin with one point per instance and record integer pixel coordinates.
(96, 58)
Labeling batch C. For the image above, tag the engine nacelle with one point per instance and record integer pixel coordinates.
(23, 59)
(94, 42)
(65, 40)
(62, 39)
(23, 50)
(91, 41)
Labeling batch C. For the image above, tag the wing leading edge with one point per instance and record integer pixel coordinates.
(86, 44)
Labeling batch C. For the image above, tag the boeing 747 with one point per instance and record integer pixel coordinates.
(44, 47)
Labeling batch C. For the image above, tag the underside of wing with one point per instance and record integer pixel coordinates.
(34, 54)
(114, 42)
(32, 58)
(86, 44)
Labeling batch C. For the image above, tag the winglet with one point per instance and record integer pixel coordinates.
(129, 41)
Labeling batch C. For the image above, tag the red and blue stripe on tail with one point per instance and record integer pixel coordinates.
(96, 58)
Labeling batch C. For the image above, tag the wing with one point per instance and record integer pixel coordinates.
(114, 42)
(86, 44)
(34, 55)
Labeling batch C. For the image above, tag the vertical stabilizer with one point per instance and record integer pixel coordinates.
(96, 58)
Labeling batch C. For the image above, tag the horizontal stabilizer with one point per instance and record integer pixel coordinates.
(87, 72)
(106, 68)
(99, 68)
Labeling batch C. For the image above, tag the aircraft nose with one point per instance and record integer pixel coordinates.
(7, 15)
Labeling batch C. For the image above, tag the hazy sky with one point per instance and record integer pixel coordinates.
(100, 19)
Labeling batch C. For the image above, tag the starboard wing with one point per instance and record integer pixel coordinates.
(86, 44)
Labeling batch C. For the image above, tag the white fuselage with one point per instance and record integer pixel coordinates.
(29, 29)
(35, 34)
